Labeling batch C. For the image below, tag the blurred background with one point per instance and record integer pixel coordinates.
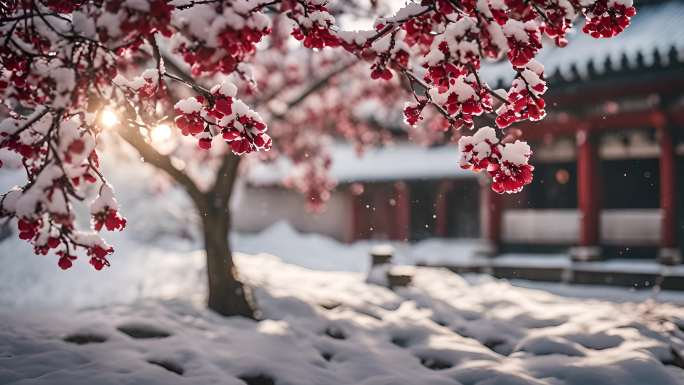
(608, 160)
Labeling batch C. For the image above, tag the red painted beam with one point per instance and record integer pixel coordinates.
(593, 92)
(564, 124)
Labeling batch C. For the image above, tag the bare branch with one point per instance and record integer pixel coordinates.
(315, 86)
(196, 87)
(30, 122)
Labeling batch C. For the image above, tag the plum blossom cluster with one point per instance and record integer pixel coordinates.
(313, 23)
(217, 37)
(222, 114)
(105, 211)
(524, 99)
(134, 20)
(390, 52)
(450, 40)
(59, 170)
(524, 41)
(607, 18)
(506, 163)
(388, 46)
(143, 86)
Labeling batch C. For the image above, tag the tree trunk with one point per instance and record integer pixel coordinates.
(227, 295)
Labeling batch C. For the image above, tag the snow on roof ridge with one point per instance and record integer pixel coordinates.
(655, 27)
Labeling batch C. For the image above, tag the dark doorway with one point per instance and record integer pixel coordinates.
(630, 184)
(463, 210)
(554, 186)
(423, 209)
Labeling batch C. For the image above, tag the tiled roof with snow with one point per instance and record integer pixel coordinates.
(654, 32)
(401, 161)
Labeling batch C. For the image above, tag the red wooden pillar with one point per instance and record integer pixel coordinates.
(669, 252)
(441, 208)
(588, 196)
(403, 211)
(492, 205)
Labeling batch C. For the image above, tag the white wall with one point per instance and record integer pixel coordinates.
(540, 226)
(618, 227)
(254, 209)
(631, 227)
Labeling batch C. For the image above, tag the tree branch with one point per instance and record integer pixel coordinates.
(30, 122)
(183, 77)
(315, 86)
(170, 63)
(228, 171)
(226, 174)
(132, 135)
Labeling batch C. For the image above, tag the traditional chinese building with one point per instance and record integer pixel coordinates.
(609, 158)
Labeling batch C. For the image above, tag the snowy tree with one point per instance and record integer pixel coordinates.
(222, 72)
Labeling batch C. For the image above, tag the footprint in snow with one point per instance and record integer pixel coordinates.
(400, 342)
(434, 363)
(327, 356)
(84, 338)
(259, 379)
(168, 365)
(336, 333)
(143, 331)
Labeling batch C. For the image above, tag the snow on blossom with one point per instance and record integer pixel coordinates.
(524, 41)
(516, 153)
(607, 18)
(239, 125)
(97, 248)
(524, 99)
(479, 150)
(188, 105)
(213, 41)
(104, 210)
(512, 172)
(506, 163)
(144, 85)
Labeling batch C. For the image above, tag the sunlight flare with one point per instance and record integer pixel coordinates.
(160, 133)
(108, 118)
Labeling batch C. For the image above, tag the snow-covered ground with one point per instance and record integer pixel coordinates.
(320, 327)
(282, 240)
(331, 328)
